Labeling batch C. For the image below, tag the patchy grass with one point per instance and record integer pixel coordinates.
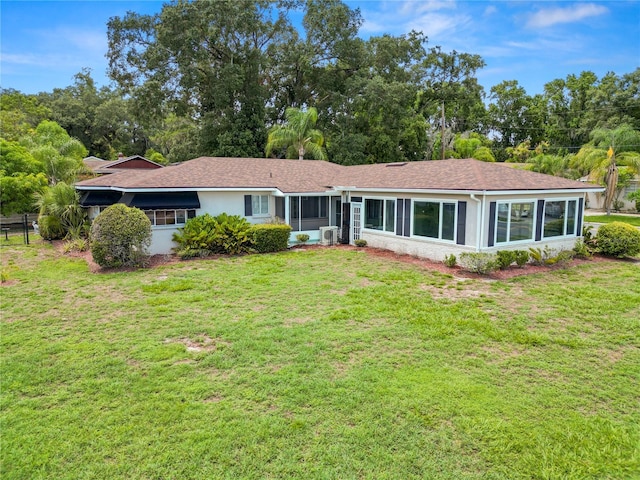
(317, 364)
(630, 219)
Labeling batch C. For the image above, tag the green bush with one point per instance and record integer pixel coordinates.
(618, 239)
(302, 238)
(360, 242)
(479, 262)
(450, 260)
(232, 235)
(581, 249)
(635, 196)
(505, 258)
(539, 256)
(270, 237)
(51, 227)
(522, 257)
(120, 237)
(204, 234)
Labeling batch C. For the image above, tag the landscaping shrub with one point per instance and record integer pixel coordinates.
(361, 242)
(505, 258)
(522, 257)
(539, 256)
(479, 262)
(120, 236)
(50, 227)
(635, 196)
(618, 239)
(581, 249)
(271, 237)
(302, 238)
(450, 260)
(232, 235)
(204, 234)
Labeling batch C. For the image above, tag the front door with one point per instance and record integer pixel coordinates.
(356, 222)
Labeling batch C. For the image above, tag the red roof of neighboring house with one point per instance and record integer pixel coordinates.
(137, 162)
(307, 176)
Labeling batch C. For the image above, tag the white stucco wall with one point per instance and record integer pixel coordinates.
(477, 228)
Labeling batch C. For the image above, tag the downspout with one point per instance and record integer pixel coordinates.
(479, 219)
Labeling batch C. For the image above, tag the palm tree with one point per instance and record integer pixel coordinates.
(608, 151)
(298, 135)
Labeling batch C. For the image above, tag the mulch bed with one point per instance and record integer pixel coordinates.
(457, 271)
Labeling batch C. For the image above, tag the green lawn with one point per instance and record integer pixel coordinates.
(632, 220)
(318, 364)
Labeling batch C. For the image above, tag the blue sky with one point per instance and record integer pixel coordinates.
(44, 43)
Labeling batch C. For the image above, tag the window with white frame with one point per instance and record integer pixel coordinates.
(514, 221)
(560, 218)
(169, 217)
(434, 219)
(380, 214)
(260, 205)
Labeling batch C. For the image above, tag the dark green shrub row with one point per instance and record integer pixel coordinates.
(228, 234)
(270, 237)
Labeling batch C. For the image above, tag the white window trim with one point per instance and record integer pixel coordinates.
(566, 201)
(441, 201)
(384, 207)
(268, 201)
(533, 228)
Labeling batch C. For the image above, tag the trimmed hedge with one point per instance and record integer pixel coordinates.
(270, 237)
(120, 237)
(618, 239)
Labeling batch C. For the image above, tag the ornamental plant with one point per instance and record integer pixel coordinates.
(120, 236)
(618, 239)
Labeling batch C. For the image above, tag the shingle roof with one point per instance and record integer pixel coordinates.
(455, 174)
(306, 176)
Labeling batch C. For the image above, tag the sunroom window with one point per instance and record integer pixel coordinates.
(560, 218)
(434, 219)
(380, 214)
(514, 222)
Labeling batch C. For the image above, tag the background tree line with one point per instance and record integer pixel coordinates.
(214, 78)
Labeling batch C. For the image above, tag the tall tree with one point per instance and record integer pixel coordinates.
(298, 137)
(201, 59)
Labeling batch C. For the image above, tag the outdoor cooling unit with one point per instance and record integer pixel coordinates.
(328, 235)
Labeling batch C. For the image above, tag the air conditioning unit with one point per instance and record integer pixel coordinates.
(328, 235)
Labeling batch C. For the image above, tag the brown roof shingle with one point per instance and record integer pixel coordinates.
(306, 176)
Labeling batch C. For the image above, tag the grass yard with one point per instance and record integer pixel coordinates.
(631, 220)
(317, 364)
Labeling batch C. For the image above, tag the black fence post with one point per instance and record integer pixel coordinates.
(26, 229)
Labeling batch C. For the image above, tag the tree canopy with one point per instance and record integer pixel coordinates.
(216, 78)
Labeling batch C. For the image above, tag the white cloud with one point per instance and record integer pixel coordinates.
(412, 7)
(574, 13)
(490, 10)
(438, 26)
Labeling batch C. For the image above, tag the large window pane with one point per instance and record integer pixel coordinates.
(426, 218)
(554, 216)
(373, 210)
(521, 222)
(390, 215)
(448, 220)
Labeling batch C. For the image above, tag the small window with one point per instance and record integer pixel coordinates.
(169, 217)
(260, 204)
(560, 218)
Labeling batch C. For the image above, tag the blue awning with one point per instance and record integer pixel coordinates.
(99, 198)
(154, 201)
